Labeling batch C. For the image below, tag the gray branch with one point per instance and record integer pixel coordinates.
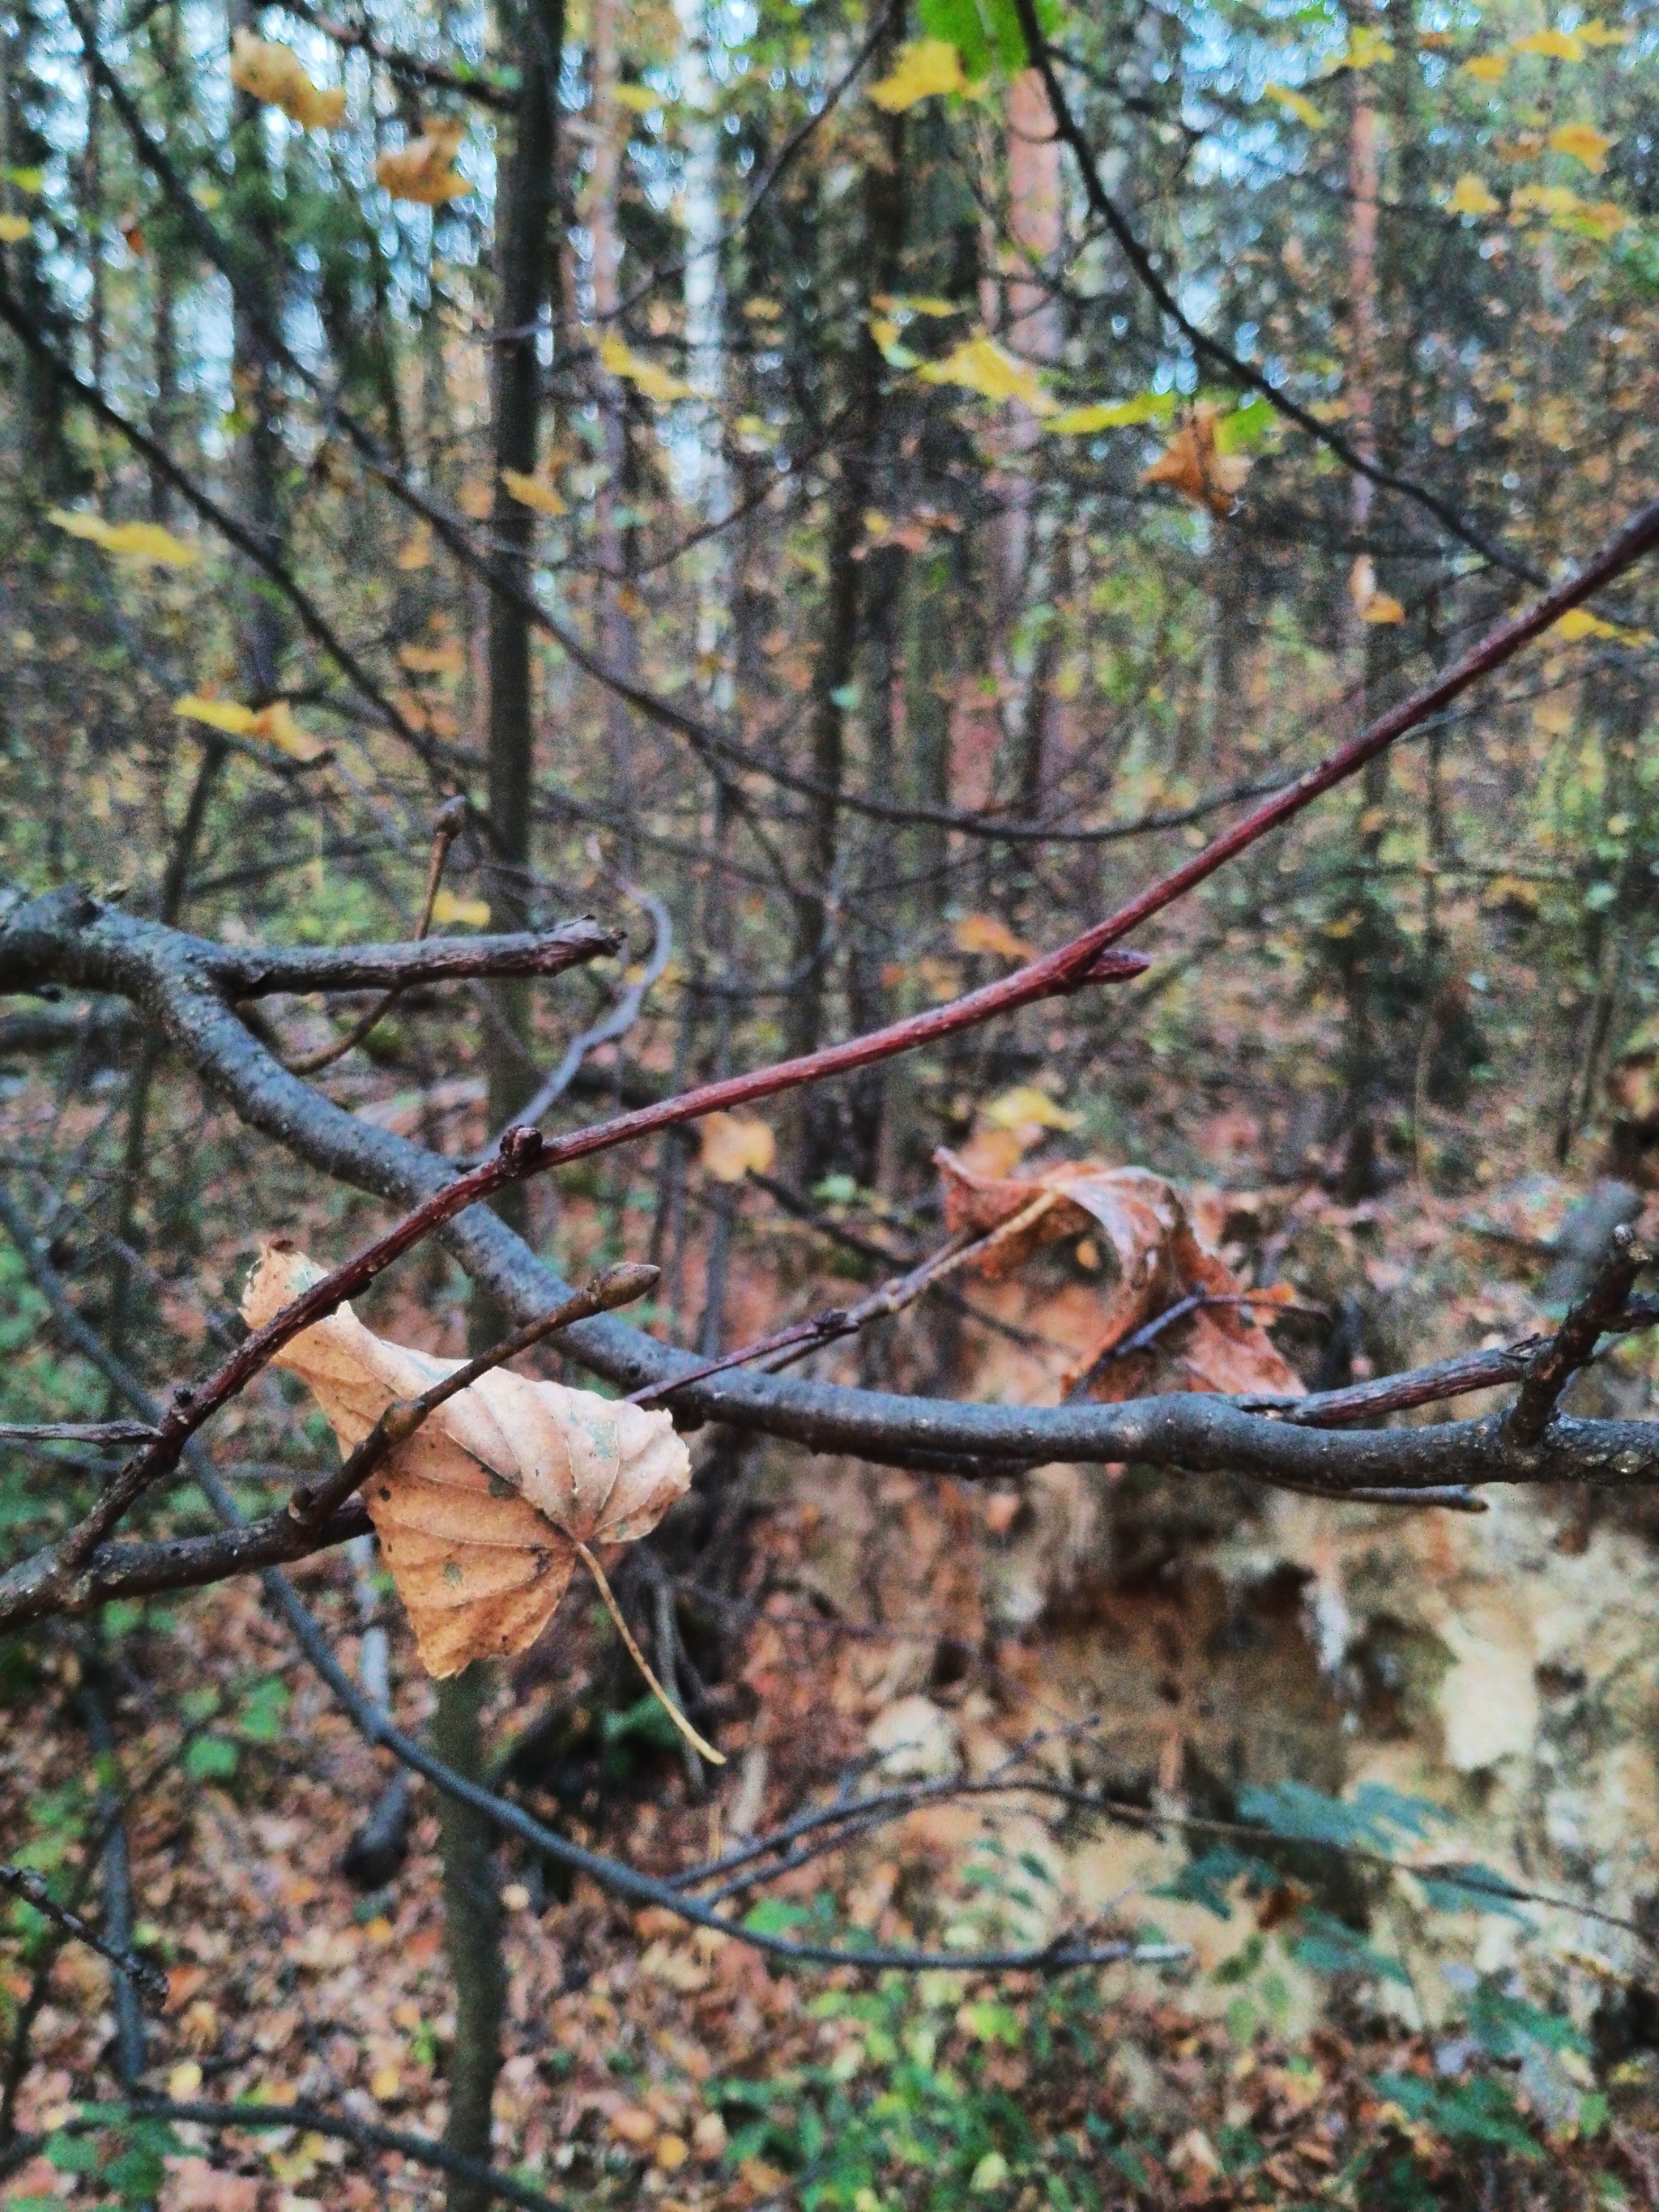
(68, 939)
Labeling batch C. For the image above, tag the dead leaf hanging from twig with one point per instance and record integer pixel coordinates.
(1160, 1263)
(482, 1513)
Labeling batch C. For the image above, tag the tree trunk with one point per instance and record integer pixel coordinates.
(837, 660)
(527, 268)
(527, 271)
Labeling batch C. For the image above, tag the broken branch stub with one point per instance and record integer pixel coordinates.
(482, 1512)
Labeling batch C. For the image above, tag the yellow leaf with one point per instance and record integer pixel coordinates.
(1579, 623)
(1365, 50)
(531, 491)
(415, 551)
(1554, 46)
(983, 932)
(433, 659)
(276, 726)
(1584, 142)
(479, 1513)
(1552, 200)
(447, 909)
(383, 2084)
(980, 365)
(1192, 465)
(1597, 34)
(926, 68)
(184, 2081)
(640, 99)
(1370, 604)
(14, 229)
(1025, 1104)
(140, 542)
(1488, 68)
(274, 74)
(1297, 104)
(1112, 415)
(930, 306)
(1471, 195)
(422, 171)
(217, 714)
(735, 1144)
(618, 359)
(1602, 219)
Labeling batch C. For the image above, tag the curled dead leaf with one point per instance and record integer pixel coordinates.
(1156, 1260)
(483, 1512)
(1194, 464)
(275, 74)
(1370, 604)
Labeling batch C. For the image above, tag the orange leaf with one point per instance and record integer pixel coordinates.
(422, 171)
(1192, 465)
(1158, 1260)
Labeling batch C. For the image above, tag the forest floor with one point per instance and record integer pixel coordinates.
(1328, 2037)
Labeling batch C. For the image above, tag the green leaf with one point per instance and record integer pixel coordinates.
(74, 2154)
(210, 1759)
(1249, 428)
(1481, 2111)
(262, 1710)
(985, 33)
(994, 2023)
(1329, 1946)
(772, 1917)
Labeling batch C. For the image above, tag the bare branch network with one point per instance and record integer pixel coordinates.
(191, 990)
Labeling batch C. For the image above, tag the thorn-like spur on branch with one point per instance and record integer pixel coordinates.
(25, 1882)
(616, 1286)
(1559, 1358)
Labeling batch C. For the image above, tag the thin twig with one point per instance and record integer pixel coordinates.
(615, 1024)
(704, 1749)
(444, 830)
(25, 1882)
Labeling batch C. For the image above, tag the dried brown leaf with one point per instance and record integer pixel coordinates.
(1193, 465)
(1159, 1261)
(480, 1512)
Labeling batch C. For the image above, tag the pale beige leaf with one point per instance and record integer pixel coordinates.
(480, 1511)
(735, 1144)
(985, 932)
(275, 74)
